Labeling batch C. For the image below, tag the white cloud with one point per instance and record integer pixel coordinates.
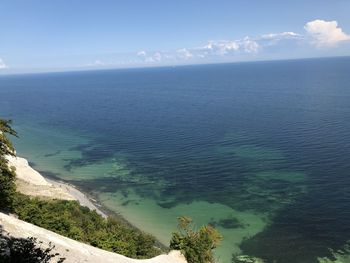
(281, 36)
(221, 47)
(184, 53)
(320, 32)
(249, 45)
(325, 33)
(155, 57)
(141, 53)
(212, 48)
(99, 63)
(227, 47)
(2, 64)
(96, 63)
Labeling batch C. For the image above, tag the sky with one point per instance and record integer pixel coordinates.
(40, 36)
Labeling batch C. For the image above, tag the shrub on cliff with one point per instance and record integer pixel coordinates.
(7, 174)
(196, 245)
(70, 219)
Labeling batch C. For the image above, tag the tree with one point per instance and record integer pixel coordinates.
(6, 147)
(196, 245)
(7, 174)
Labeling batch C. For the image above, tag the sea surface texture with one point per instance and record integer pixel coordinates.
(259, 150)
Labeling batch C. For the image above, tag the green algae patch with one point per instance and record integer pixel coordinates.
(252, 152)
(228, 223)
(291, 177)
(97, 170)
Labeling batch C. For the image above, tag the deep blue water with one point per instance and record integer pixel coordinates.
(268, 137)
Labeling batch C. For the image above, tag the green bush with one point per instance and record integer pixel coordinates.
(69, 219)
(196, 245)
(7, 174)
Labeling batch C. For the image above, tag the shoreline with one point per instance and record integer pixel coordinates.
(79, 195)
(94, 204)
(25, 172)
(35, 183)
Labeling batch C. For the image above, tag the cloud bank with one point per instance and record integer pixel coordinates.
(218, 48)
(318, 33)
(2, 64)
(96, 63)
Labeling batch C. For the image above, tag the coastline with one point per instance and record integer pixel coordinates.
(31, 182)
(25, 173)
(29, 179)
(85, 199)
(80, 196)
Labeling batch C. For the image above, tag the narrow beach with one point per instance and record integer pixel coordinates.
(31, 182)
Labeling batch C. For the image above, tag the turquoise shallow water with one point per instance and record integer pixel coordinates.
(260, 150)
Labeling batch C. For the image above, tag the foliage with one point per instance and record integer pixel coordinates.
(7, 187)
(7, 174)
(196, 245)
(69, 219)
(6, 147)
(25, 250)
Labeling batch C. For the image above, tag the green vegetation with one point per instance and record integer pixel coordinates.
(69, 219)
(196, 245)
(7, 174)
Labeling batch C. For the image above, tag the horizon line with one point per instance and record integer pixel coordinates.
(77, 70)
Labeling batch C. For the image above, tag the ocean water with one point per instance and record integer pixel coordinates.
(259, 150)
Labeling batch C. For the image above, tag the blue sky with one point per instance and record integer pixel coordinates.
(38, 35)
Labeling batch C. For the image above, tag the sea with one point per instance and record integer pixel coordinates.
(259, 150)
